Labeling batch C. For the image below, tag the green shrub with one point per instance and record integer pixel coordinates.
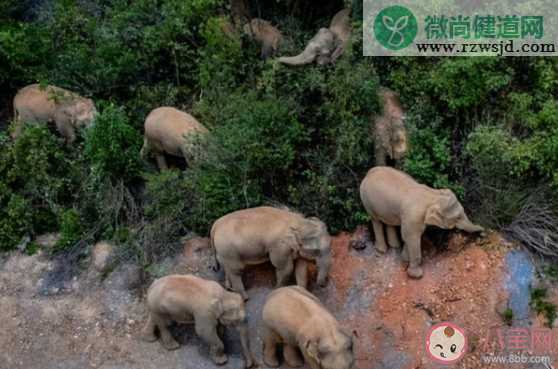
(15, 219)
(39, 176)
(71, 230)
(248, 156)
(112, 146)
(429, 159)
(464, 83)
(542, 306)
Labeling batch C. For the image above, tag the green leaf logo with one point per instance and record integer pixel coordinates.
(395, 27)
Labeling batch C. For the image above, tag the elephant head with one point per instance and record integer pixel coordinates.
(231, 311)
(334, 351)
(446, 212)
(319, 48)
(315, 243)
(80, 112)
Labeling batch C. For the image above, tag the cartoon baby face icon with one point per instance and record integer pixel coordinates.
(446, 343)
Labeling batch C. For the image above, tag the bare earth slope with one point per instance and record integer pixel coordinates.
(87, 321)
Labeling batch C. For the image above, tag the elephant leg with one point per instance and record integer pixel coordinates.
(380, 241)
(283, 263)
(148, 332)
(271, 340)
(206, 329)
(292, 356)
(228, 284)
(392, 237)
(411, 237)
(301, 272)
(405, 254)
(379, 152)
(161, 161)
(67, 130)
(235, 278)
(167, 340)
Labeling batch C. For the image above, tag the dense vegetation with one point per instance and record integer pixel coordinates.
(485, 127)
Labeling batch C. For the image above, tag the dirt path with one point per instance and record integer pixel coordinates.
(87, 321)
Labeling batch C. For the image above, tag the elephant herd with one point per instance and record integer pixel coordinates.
(292, 316)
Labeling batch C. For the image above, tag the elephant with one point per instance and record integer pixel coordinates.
(190, 299)
(327, 45)
(266, 34)
(294, 317)
(394, 198)
(169, 131)
(390, 135)
(45, 104)
(287, 239)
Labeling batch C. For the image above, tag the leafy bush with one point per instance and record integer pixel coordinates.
(429, 159)
(248, 156)
(112, 146)
(39, 176)
(70, 230)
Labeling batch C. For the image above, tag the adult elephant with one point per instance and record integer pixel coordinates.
(169, 131)
(394, 198)
(287, 239)
(43, 104)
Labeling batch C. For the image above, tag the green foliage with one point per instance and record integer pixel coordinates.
(508, 316)
(485, 127)
(221, 64)
(429, 159)
(542, 306)
(463, 83)
(112, 146)
(248, 156)
(71, 230)
(38, 178)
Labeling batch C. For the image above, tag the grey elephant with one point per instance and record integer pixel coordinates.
(266, 34)
(190, 299)
(45, 104)
(287, 239)
(327, 45)
(295, 318)
(169, 131)
(390, 135)
(393, 198)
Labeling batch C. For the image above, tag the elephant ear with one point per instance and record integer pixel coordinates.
(434, 216)
(308, 230)
(216, 308)
(444, 211)
(64, 113)
(292, 240)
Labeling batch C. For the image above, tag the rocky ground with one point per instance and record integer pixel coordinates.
(65, 315)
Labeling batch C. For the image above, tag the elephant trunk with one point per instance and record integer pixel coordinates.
(466, 225)
(306, 57)
(244, 341)
(324, 264)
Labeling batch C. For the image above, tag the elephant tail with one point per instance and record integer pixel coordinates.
(144, 149)
(216, 266)
(17, 123)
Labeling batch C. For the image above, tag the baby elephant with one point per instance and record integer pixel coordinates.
(168, 131)
(394, 198)
(69, 111)
(295, 318)
(189, 299)
(253, 236)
